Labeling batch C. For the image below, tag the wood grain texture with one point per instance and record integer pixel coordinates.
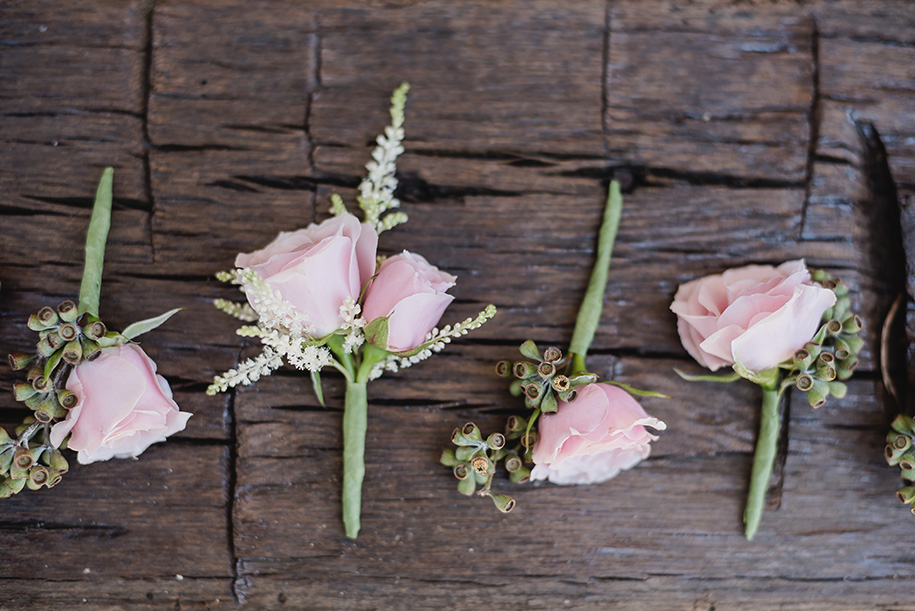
(746, 133)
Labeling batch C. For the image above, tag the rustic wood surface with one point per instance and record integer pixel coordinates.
(751, 131)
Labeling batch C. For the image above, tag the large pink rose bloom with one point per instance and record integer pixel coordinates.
(411, 292)
(124, 406)
(759, 313)
(317, 268)
(593, 438)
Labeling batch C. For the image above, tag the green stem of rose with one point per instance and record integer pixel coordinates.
(96, 237)
(763, 460)
(593, 303)
(355, 424)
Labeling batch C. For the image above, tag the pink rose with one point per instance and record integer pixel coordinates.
(317, 268)
(411, 293)
(762, 314)
(124, 407)
(593, 438)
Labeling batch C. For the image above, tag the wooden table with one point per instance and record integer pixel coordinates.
(753, 132)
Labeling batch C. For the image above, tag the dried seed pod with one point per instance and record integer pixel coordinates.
(552, 354)
(95, 330)
(496, 441)
(503, 502)
(73, 352)
(20, 360)
(67, 310)
(804, 382)
(523, 370)
(68, 332)
(504, 369)
(461, 471)
(833, 327)
(546, 370)
(561, 383)
(67, 399)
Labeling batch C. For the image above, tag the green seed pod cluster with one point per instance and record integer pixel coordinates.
(820, 367)
(900, 451)
(66, 338)
(474, 461)
(29, 461)
(541, 379)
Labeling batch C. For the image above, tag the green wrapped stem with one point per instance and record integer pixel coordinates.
(763, 460)
(355, 422)
(96, 237)
(593, 303)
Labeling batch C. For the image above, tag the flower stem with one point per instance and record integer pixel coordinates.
(593, 303)
(355, 422)
(763, 460)
(96, 236)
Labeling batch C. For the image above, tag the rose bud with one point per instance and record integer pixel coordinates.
(759, 313)
(317, 268)
(124, 406)
(593, 438)
(410, 292)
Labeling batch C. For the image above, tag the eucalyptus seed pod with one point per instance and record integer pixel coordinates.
(837, 389)
(17, 485)
(448, 458)
(521, 476)
(54, 479)
(459, 439)
(503, 502)
(42, 416)
(817, 394)
(41, 384)
(549, 405)
(513, 463)
(855, 343)
(813, 348)
(561, 383)
(22, 462)
(56, 461)
(843, 304)
(67, 310)
(833, 326)
(580, 379)
(496, 441)
(73, 352)
(826, 373)
(35, 401)
(95, 330)
(465, 453)
(803, 359)
(514, 425)
(20, 360)
(846, 368)
(820, 276)
(5, 491)
(45, 348)
(569, 395)
(504, 369)
(546, 370)
(38, 477)
(467, 486)
(825, 358)
(552, 354)
(67, 399)
(482, 464)
(529, 440)
(903, 424)
(842, 349)
(6, 460)
(529, 349)
(906, 495)
(472, 431)
(91, 349)
(47, 317)
(68, 332)
(804, 382)
(907, 461)
(23, 390)
(852, 324)
(523, 369)
(461, 470)
(892, 455)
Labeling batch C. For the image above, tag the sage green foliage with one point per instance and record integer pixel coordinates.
(96, 237)
(593, 303)
(899, 452)
(145, 326)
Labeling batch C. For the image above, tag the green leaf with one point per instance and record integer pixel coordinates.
(724, 377)
(376, 332)
(637, 392)
(319, 391)
(52, 363)
(530, 350)
(96, 237)
(593, 303)
(145, 326)
(767, 378)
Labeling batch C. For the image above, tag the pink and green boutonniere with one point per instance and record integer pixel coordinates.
(318, 298)
(779, 327)
(89, 389)
(576, 428)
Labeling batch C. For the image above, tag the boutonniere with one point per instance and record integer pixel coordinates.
(318, 298)
(576, 428)
(89, 388)
(779, 327)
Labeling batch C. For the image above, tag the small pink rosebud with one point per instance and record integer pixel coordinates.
(593, 438)
(758, 313)
(411, 293)
(123, 406)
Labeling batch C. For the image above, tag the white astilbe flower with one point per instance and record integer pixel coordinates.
(376, 192)
(275, 312)
(241, 311)
(248, 372)
(353, 324)
(435, 342)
